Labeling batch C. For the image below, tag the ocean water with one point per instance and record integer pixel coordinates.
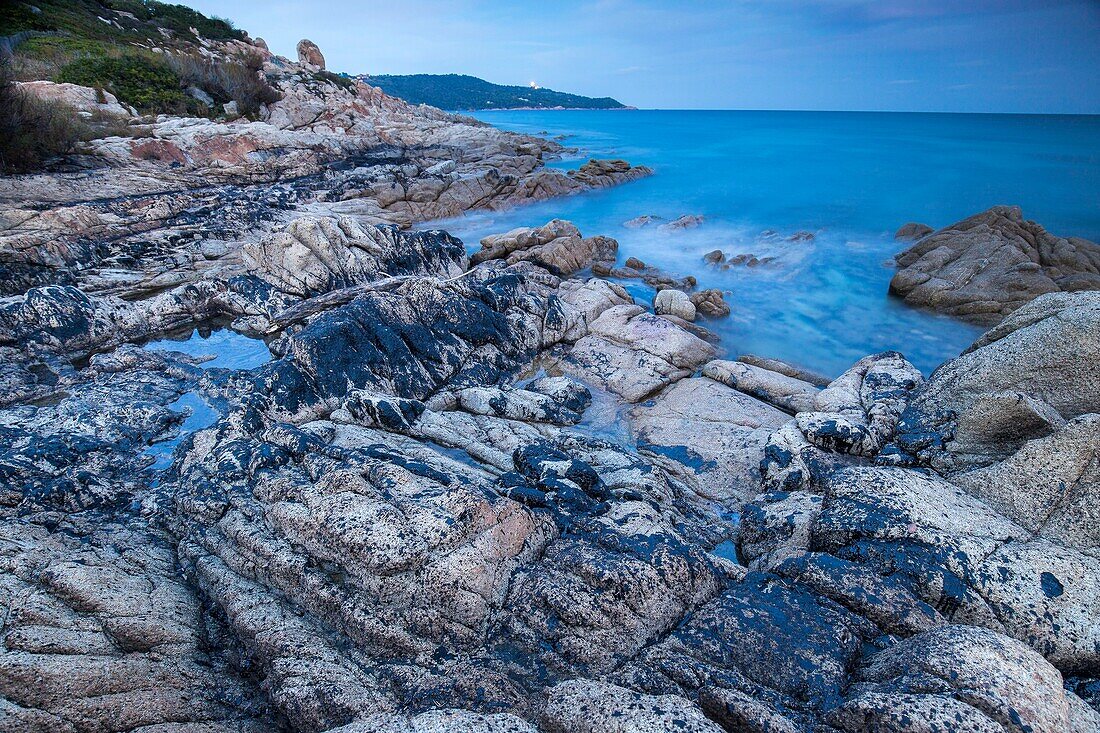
(850, 178)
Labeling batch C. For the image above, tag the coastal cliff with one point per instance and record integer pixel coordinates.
(494, 492)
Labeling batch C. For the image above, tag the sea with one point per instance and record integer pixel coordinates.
(849, 178)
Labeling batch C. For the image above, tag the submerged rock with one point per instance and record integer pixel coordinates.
(983, 268)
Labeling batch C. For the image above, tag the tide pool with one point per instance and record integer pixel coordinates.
(849, 178)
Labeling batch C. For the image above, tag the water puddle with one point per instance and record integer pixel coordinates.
(726, 550)
(228, 349)
(201, 415)
(222, 348)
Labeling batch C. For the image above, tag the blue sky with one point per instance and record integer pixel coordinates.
(949, 55)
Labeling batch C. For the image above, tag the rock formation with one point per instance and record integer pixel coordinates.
(494, 494)
(309, 54)
(983, 268)
(177, 201)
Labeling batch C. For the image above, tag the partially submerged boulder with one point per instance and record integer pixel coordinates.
(674, 303)
(1020, 381)
(557, 246)
(984, 267)
(913, 230)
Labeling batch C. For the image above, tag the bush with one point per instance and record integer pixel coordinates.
(145, 82)
(32, 130)
(226, 81)
(344, 82)
(178, 18)
(17, 16)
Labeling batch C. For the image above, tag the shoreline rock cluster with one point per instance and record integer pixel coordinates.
(391, 528)
(492, 493)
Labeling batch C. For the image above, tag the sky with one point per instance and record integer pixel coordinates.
(902, 55)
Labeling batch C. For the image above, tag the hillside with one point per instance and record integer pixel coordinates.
(462, 92)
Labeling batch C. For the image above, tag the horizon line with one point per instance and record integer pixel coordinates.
(630, 108)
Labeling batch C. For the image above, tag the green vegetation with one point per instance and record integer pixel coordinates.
(33, 130)
(142, 51)
(341, 80)
(81, 18)
(226, 82)
(148, 84)
(460, 92)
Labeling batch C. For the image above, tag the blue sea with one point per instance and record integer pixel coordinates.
(850, 178)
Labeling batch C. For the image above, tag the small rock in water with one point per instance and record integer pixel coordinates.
(710, 303)
(913, 230)
(687, 221)
(715, 257)
(801, 236)
(674, 303)
(641, 221)
(635, 264)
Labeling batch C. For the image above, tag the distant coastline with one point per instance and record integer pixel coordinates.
(470, 94)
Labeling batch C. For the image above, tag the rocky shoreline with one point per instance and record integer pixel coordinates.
(494, 493)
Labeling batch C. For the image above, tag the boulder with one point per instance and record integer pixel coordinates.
(785, 392)
(313, 255)
(958, 678)
(642, 221)
(83, 99)
(633, 353)
(1019, 381)
(557, 246)
(983, 268)
(710, 302)
(600, 173)
(687, 221)
(587, 706)
(965, 559)
(708, 434)
(309, 54)
(675, 303)
(913, 230)
(857, 414)
(785, 368)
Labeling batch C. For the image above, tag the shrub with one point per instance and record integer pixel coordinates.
(226, 81)
(145, 82)
(18, 16)
(344, 82)
(33, 130)
(179, 18)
